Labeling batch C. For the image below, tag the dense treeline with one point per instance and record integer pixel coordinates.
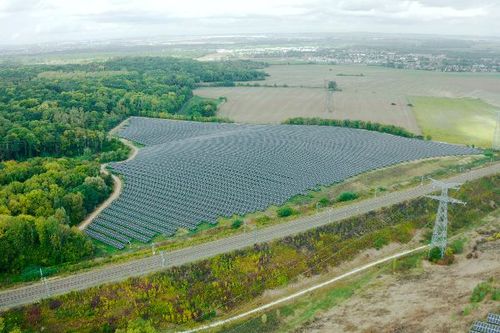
(367, 125)
(196, 292)
(40, 200)
(48, 110)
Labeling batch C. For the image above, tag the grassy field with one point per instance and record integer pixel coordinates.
(380, 94)
(456, 120)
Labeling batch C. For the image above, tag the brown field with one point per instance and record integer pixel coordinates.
(367, 97)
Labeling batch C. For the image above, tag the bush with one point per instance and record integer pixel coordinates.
(236, 223)
(435, 254)
(457, 246)
(496, 295)
(324, 202)
(447, 259)
(380, 242)
(347, 196)
(262, 219)
(480, 292)
(408, 263)
(285, 211)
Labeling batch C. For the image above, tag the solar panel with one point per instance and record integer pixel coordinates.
(493, 318)
(485, 327)
(192, 172)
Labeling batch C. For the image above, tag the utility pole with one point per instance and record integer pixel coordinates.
(440, 232)
(44, 281)
(162, 258)
(496, 135)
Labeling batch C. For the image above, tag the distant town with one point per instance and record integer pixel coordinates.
(463, 62)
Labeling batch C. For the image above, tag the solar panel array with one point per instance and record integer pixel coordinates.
(191, 172)
(492, 325)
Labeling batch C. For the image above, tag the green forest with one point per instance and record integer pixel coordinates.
(54, 121)
(65, 110)
(199, 291)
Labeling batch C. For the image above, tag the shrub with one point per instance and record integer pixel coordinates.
(236, 223)
(457, 246)
(480, 292)
(380, 242)
(448, 257)
(408, 263)
(347, 196)
(285, 211)
(324, 201)
(262, 219)
(435, 254)
(496, 294)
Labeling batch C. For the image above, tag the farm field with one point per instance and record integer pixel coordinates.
(273, 105)
(464, 120)
(380, 95)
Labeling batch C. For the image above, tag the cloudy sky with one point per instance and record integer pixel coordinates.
(32, 21)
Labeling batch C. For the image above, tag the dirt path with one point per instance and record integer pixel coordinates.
(117, 182)
(432, 299)
(306, 291)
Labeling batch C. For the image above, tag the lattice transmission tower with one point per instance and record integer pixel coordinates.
(440, 232)
(328, 97)
(496, 136)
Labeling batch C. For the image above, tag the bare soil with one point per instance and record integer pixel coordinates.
(380, 95)
(430, 299)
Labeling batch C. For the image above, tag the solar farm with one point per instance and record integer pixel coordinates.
(188, 173)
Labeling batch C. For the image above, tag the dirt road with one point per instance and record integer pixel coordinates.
(117, 183)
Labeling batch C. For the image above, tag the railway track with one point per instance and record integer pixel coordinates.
(112, 273)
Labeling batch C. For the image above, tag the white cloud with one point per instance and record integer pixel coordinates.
(55, 20)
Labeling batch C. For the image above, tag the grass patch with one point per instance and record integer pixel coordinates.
(457, 245)
(456, 120)
(287, 317)
(480, 292)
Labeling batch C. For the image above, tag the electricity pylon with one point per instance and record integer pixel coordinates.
(328, 98)
(496, 136)
(440, 232)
